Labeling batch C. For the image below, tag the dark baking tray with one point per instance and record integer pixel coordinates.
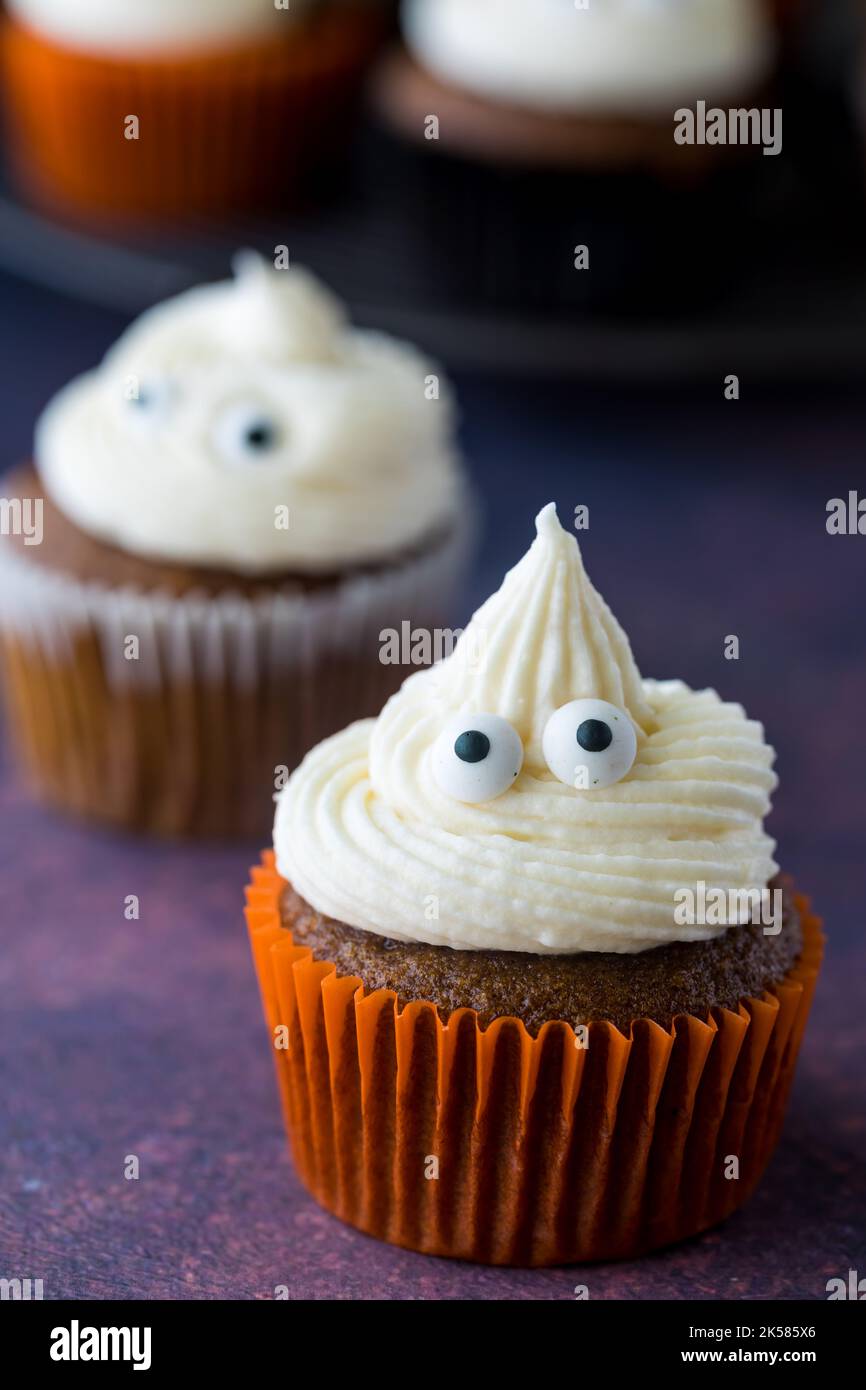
(794, 309)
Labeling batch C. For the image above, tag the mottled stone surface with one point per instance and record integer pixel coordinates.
(145, 1038)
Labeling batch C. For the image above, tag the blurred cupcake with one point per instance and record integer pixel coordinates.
(233, 507)
(506, 1025)
(534, 131)
(180, 106)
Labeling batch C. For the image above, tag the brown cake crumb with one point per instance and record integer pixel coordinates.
(686, 977)
(71, 551)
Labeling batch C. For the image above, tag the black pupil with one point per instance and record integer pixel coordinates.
(472, 746)
(259, 435)
(594, 735)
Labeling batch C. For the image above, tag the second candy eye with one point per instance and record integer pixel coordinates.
(589, 744)
(476, 757)
(149, 401)
(245, 434)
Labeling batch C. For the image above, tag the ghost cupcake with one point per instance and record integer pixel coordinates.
(486, 956)
(174, 107)
(532, 131)
(232, 509)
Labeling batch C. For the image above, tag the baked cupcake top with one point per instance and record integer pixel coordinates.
(616, 56)
(247, 426)
(128, 26)
(532, 792)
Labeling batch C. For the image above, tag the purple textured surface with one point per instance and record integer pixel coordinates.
(145, 1038)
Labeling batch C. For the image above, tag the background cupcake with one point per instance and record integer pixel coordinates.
(235, 103)
(471, 935)
(554, 129)
(234, 506)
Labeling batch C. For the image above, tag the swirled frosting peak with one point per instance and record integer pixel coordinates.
(248, 426)
(289, 317)
(428, 824)
(544, 638)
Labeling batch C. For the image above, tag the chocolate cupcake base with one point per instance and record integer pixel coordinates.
(682, 978)
(486, 1143)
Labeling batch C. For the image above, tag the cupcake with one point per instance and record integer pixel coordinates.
(180, 106)
(511, 1021)
(531, 131)
(231, 510)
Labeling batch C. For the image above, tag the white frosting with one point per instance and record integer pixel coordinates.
(629, 56)
(367, 836)
(127, 26)
(361, 458)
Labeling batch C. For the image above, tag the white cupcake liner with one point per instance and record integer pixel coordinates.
(268, 675)
(230, 635)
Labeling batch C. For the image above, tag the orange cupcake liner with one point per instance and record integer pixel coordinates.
(488, 1144)
(217, 131)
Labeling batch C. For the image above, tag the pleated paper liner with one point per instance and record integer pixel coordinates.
(186, 739)
(233, 129)
(487, 1144)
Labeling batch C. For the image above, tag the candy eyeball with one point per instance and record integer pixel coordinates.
(245, 433)
(589, 744)
(476, 757)
(148, 401)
